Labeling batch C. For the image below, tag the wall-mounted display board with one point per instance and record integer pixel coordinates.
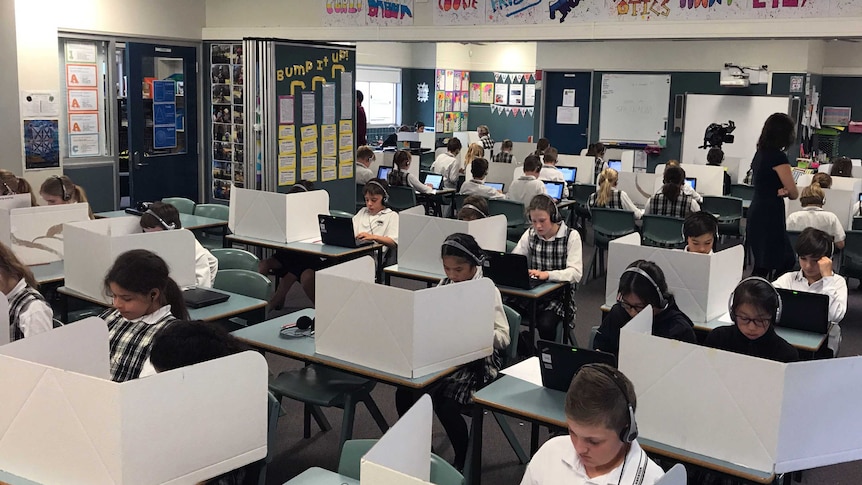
(634, 108)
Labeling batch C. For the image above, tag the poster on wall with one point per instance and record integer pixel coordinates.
(460, 12)
(501, 94)
(41, 144)
(360, 14)
(226, 80)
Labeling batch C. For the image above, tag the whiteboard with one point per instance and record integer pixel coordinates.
(634, 108)
(748, 112)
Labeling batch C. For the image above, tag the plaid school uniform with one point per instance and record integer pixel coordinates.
(130, 342)
(553, 255)
(461, 385)
(503, 157)
(599, 166)
(663, 206)
(615, 202)
(19, 304)
(398, 178)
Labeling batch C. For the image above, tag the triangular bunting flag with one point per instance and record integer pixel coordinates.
(519, 77)
(496, 76)
(508, 111)
(523, 113)
(530, 110)
(505, 77)
(527, 76)
(516, 111)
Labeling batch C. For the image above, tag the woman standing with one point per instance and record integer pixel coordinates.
(766, 234)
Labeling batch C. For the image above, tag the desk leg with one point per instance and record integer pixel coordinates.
(535, 313)
(379, 276)
(225, 241)
(474, 475)
(64, 307)
(534, 438)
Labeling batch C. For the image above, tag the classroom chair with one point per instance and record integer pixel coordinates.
(272, 415)
(457, 203)
(244, 282)
(514, 212)
(662, 231)
(183, 205)
(211, 238)
(581, 193)
(729, 212)
(338, 213)
(401, 198)
(851, 265)
(742, 191)
(316, 386)
(232, 258)
(608, 224)
(857, 224)
(442, 473)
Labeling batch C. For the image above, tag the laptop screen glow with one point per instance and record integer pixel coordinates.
(569, 173)
(554, 189)
(691, 182)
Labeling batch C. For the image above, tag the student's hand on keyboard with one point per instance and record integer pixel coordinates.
(366, 236)
(539, 275)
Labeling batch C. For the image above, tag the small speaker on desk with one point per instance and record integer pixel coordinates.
(678, 112)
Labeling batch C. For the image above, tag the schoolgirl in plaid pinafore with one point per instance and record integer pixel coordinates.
(615, 201)
(553, 255)
(663, 206)
(18, 305)
(130, 341)
(461, 385)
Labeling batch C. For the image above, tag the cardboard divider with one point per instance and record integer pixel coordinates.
(5, 324)
(61, 426)
(16, 201)
(403, 454)
(760, 414)
(89, 355)
(35, 234)
(93, 246)
(402, 332)
(639, 186)
(700, 283)
(842, 203)
(710, 179)
(852, 184)
(420, 238)
(586, 167)
(275, 216)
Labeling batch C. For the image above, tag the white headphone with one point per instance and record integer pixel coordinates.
(164, 224)
(455, 244)
(473, 207)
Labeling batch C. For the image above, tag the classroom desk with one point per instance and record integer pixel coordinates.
(48, 273)
(542, 406)
(319, 476)
(9, 479)
(436, 200)
(807, 341)
(189, 221)
(265, 336)
(542, 292)
(253, 309)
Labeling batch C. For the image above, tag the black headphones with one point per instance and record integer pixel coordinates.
(775, 318)
(304, 327)
(473, 207)
(385, 192)
(630, 431)
(164, 224)
(556, 217)
(66, 195)
(662, 301)
(455, 244)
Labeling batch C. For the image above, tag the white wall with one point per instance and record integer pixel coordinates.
(389, 54)
(10, 125)
(503, 56)
(451, 55)
(842, 58)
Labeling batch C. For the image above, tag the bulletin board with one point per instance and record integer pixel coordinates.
(315, 104)
(451, 100)
(634, 108)
(226, 107)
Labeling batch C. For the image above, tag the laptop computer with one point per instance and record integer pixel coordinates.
(507, 269)
(499, 186)
(435, 180)
(202, 297)
(803, 310)
(554, 189)
(338, 231)
(561, 362)
(691, 182)
(569, 173)
(616, 165)
(383, 172)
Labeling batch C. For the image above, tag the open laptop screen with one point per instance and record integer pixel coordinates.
(569, 173)
(616, 165)
(691, 182)
(499, 186)
(554, 189)
(383, 172)
(435, 180)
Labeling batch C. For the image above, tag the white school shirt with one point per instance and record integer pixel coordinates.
(629, 205)
(518, 173)
(38, 317)
(574, 258)
(384, 223)
(443, 165)
(855, 211)
(363, 174)
(834, 286)
(557, 462)
(524, 188)
(692, 193)
(147, 369)
(206, 266)
(478, 187)
(553, 174)
(816, 217)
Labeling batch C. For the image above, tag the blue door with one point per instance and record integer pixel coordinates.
(567, 133)
(162, 121)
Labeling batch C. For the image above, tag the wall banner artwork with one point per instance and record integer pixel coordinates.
(359, 13)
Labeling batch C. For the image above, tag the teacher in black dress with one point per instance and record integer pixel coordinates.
(766, 234)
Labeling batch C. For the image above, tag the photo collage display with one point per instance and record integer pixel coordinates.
(226, 81)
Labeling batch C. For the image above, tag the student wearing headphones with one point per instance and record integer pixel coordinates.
(364, 157)
(554, 254)
(475, 207)
(671, 200)
(528, 185)
(60, 189)
(754, 307)
(642, 284)
(165, 217)
(813, 215)
(814, 248)
(377, 222)
(609, 197)
(462, 261)
(602, 446)
(13, 184)
(550, 172)
(400, 177)
(476, 185)
(700, 230)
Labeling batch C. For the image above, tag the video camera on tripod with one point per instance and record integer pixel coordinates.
(718, 134)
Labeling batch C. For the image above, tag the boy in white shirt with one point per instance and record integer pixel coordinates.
(446, 162)
(814, 248)
(476, 186)
(700, 230)
(527, 186)
(602, 445)
(551, 173)
(364, 157)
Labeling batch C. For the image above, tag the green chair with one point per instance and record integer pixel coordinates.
(581, 193)
(510, 246)
(510, 358)
(744, 192)
(851, 265)
(515, 216)
(662, 232)
(316, 386)
(213, 211)
(442, 473)
(857, 224)
(729, 212)
(211, 238)
(183, 205)
(338, 213)
(401, 198)
(244, 282)
(232, 258)
(457, 204)
(608, 224)
(272, 421)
